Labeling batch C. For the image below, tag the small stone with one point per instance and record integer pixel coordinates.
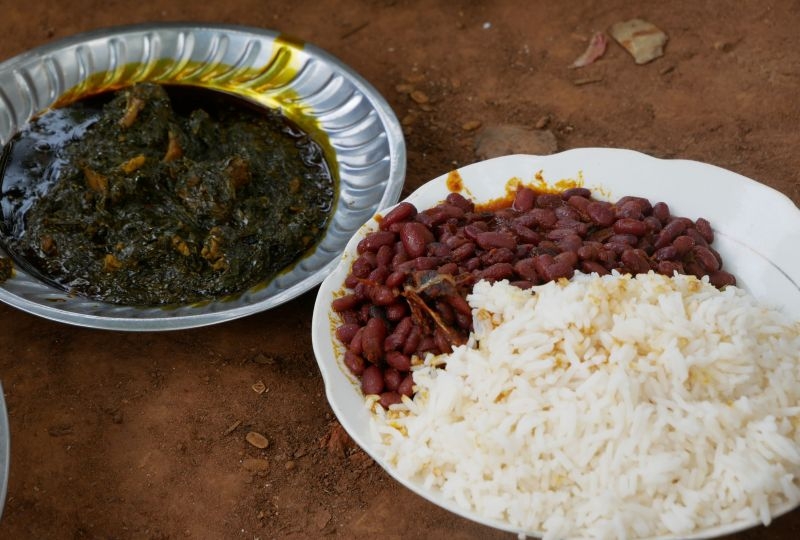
(409, 119)
(259, 387)
(415, 78)
(427, 107)
(290, 465)
(117, 417)
(262, 358)
(257, 440)
(542, 122)
(404, 88)
(643, 40)
(321, 518)
(254, 465)
(471, 125)
(419, 97)
(506, 139)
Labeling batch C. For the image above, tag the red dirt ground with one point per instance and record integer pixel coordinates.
(121, 436)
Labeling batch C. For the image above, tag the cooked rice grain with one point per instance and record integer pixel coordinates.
(609, 407)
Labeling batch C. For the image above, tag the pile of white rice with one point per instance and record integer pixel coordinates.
(608, 407)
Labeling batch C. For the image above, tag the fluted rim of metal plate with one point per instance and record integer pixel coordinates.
(5, 450)
(362, 129)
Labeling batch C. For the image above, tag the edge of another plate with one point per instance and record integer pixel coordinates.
(616, 172)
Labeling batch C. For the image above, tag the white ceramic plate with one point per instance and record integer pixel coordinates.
(757, 230)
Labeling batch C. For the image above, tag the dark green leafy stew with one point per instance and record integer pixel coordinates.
(162, 195)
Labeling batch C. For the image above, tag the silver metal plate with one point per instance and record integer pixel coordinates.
(260, 65)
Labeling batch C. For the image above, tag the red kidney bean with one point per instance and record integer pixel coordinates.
(473, 230)
(721, 278)
(526, 234)
(391, 379)
(344, 303)
(402, 212)
(384, 255)
(588, 267)
(415, 236)
(628, 210)
(494, 239)
(575, 192)
(618, 248)
(345, 332)
(694, 268)
(668, 268)
(396, 311)
(579, 203)
(498, 255)
(459, 304)
(666, 253)
(697, 237)
(441, 341)
(526, 269)
(372, 339)
(629, 239)
(587, 252)
(398, 361)
(661, 212)
(544, 217)
(704, 228)
(558, 234)
(457, 199)
(372, 380)
(448, 268)
(403, 328)
(438, 249)
(540, 262)
(406, 388)
(427, 263)
(524, 200)
(670, 232)
(473, 264)
(498, 271)
(653, 224)
(706, 259)
(362, 267)
(548, 200)
(354, 363)
(413, 340)
(571, 242)
(683, 244)
(349, 316)
(463, 252)
(630, 226)
(356, 344)
(559, 269)
(567, 213)
(568, 257)
(378, 275)
(600, 213)
(350, 281)
(374, 240)
(635, 260)
(606, 257)
(390, 398)
(396, 278)
(548, 247)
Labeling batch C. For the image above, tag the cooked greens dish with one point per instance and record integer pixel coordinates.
(160, 195)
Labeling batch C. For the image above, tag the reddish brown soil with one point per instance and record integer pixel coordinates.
(119, 435)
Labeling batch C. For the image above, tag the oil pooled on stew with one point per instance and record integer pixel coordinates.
(160, 195)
